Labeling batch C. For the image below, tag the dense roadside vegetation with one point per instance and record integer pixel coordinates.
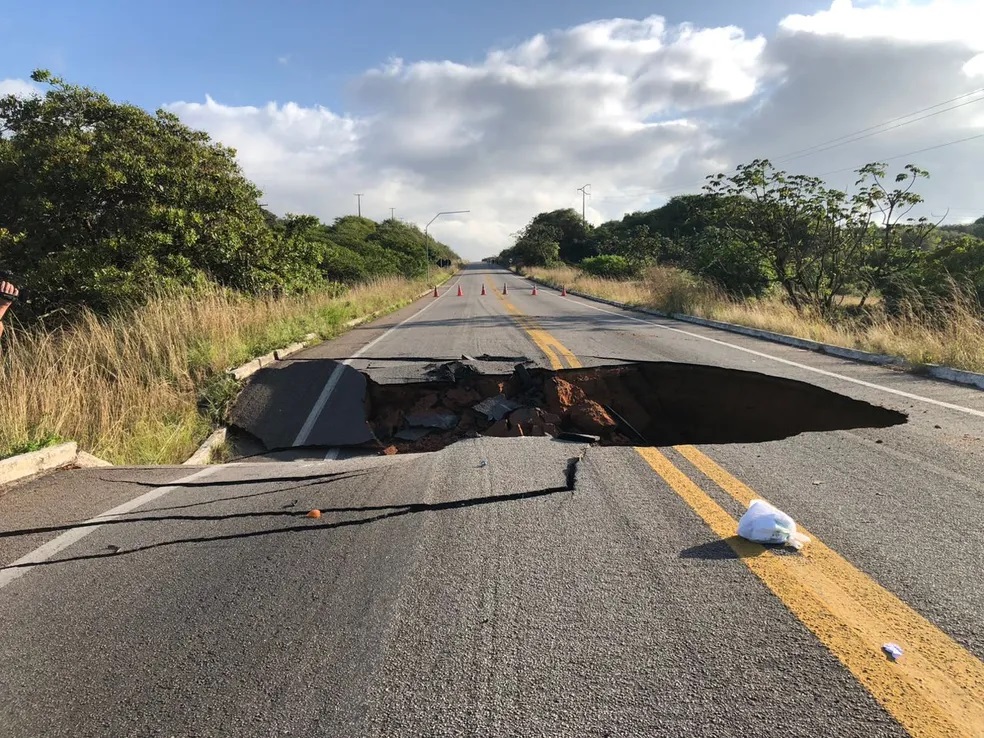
(148, 266)
(146, 385)
(783, 252)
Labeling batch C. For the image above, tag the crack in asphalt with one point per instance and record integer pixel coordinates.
(388, 512)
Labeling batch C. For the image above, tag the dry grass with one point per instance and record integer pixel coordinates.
(146, 387)
(950, 334)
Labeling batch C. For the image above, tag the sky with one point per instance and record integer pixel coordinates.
(505, 109)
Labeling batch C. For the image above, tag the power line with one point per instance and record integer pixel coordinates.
(876, 133)
(909, 153)
(840, 141)
(648, 193)
(879, 125)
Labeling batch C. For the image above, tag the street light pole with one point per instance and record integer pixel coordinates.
(427, 238)
(584, 192)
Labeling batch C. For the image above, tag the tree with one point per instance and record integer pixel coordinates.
(899, 241)
(104, 202)
(569, 231)
(810, 236)
(538, 244)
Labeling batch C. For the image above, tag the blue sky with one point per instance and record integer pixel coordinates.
(151, 52)
(640, 98)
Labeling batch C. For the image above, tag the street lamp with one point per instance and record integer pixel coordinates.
(427, 238)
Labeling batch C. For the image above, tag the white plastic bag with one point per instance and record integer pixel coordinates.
(764, 523)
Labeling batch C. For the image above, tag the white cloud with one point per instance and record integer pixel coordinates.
(609, 101)
(960, 21)
(639, 108)
(19, 87)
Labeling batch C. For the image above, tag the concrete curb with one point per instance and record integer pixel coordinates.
(87, 461)
(934, 371)
(47, 459)
(203, 456)
(35, 462)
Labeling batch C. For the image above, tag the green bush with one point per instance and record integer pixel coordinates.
(609, 266)
(103, 204)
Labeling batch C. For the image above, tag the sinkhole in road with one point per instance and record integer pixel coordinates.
(632, 404)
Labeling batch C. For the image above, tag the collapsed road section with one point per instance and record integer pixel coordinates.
(634, 403)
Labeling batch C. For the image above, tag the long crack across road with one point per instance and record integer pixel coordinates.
(634, 403)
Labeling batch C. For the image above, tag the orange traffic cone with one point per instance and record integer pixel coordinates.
(503, 288)
(435, 292)
(483, 289)
(534, 289)
(460, 293)
(563, 292)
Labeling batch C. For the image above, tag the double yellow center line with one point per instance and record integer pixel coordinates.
(936, 689)
(550, 346)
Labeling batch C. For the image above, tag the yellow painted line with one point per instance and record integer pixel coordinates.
(936, 689)
(549, 345)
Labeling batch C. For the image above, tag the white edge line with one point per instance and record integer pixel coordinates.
(24, 564)
(624, 313)
(329, 388)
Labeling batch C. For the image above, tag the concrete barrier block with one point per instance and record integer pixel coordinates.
(35, 462)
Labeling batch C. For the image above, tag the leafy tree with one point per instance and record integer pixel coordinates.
(729, 262)
(103, 201)
(538, 244)
(899, 240)
(974, 229)
(811, 237)
(957, 262)
(569, 231)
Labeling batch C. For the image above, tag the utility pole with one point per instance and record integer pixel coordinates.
(584, 193)
(392, 213)
(359, 195)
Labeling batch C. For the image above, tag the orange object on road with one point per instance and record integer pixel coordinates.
(460, 293)
(563, 292)
(534, 289)
(483, 289)
(435, 292)
(314, 514)
(503, 288)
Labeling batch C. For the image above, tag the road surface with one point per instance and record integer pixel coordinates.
(480, 590)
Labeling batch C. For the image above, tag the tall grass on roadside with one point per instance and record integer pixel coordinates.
(948, 332)
(131, 388)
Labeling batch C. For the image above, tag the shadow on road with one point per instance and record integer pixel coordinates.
(733, 547)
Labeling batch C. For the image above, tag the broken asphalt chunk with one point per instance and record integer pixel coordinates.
(437, 419)
(412, 434)
(496, 408)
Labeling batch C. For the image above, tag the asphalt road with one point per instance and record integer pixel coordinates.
(475, 591)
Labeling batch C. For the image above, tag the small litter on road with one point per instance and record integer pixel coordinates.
(314, 514)
(893, 651)
(764, 523)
